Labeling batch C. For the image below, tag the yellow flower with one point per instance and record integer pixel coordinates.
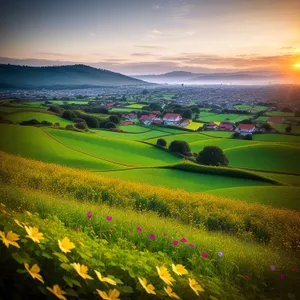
(57, 291)
(5, 212)
(105, 279)
(179, 269)
(18, 223)
(34, 272)
(3, 205)
(195, 286)
(9, 239)
(81, 270)
(171, 293)
(165, 275)
(82, 244)
(34, 234)
(112, 294)
(65, 245)
(149, 288)
(29, 213)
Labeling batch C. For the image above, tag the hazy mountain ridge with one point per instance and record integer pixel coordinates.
(69, 75)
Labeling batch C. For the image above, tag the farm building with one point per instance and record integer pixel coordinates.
(127, 123)
(276, 120)
(227, 126)
(172, 119)
(245, 129)
(184, 123)
(212, 126)
(132, 116)
(147, 119)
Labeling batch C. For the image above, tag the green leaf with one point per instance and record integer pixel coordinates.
(46, 254)
(75, 282)
(71, 292)
(20, 257)
(61, 257)
(127, 289)
(66, 267)
(68, 280)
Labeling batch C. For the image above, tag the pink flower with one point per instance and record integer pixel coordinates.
(281, 276)
(293, 270)
(110, 228)
(139, 229)
(273, 267)
(204, 255)
(192, 245)
(175, 243)
(152, 236)
(246, 276)
(89, 214)
(183, 240)
(165, 234)
(108, 218)
(76, 228)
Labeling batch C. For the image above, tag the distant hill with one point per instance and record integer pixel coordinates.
(194, 78)
(61, 76)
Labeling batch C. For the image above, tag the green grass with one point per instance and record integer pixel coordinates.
(276, 196)
(134, 128)
(32, 142)
(26, 115)
(262, 118)
(254, 109)
(265, 156)
(276, 138)
(117, 150)
(177, 179)
(136, 105)
(280, 114)
(217, 133)
(221, 117)
(123, 109)
(58, 102)
(282, 127)
(188, 137)
(133, 137)
(286, 179)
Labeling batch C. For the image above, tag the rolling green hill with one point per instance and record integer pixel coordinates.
(73, 75)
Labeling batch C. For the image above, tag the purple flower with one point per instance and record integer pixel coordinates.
(76, 228)
(192, 245)
(165, 234)
(108, 218)
(273, 267)
(175, 243)
(204, 255)
(246, 276)
(110, 228)
(89, 214)
(281, 276)
(293, 270)
(152, 236)
(220, 254)
(183, 240)
(139, 229)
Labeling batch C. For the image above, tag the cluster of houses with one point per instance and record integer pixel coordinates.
(243, 129)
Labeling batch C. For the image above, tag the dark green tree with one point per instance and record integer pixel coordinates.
(161, 142)
(212, 156)
(181, 147)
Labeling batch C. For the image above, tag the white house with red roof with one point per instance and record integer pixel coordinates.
(226, 126)
(245, 129)
(147, 119)
(184, 123)
(132, 116)
(172, 119)
(212, 126)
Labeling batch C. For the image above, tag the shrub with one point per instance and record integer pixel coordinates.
(46, 123)
(110, 125)
(68, 114)
(288, 129)
(248, 137)
(181, 147)
(187, 114)
(235, 135)
(161, 142)
(81, 125)
(55, 109)
(114, 119)
(91, 121)
(70, 127)
(30, 122)
(212, 156)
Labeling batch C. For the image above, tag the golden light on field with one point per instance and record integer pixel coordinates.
(297, 65)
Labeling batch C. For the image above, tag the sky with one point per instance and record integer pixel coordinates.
(153, 37)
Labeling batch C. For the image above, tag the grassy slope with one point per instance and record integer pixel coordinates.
(127, 152)
(33, 143)
(276, 196)
(25, 116)
(177, 179)
(188, 137)
(276, 138)
(134, 128)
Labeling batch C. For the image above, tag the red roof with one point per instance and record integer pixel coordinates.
(171, 116)
(212, 124)
(276, 119)
(144, 117)
(127, 123)
(246, 126)
(152, 116)
(226, 126)
(110, 104)
(131, 115)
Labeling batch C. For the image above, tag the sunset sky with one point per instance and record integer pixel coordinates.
(147, 36)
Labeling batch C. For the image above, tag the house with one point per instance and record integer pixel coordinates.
(147, 119)
(212, 126)
(131, 116)
(127, 123)
(227, 126)
(276, 120)
(184, 123)
(172, 119)
(110, 104)
(244, 129)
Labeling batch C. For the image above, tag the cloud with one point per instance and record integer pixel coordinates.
(55, 54)
(149, 46)
(190, 33)
(157, 7)
(143, 54)
(155, 31)
(91, 34)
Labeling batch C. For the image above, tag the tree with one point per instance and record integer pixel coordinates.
(212, 156)
(114, 119)
(55, 109)
(288, 129)
(187, 114)
(161, 142)
(81, 125)
(249, 137)
(235, 135)
(144, 92)
(110, 125)
(68, 114)
(266, 126)
(70, 127)
(181, 147)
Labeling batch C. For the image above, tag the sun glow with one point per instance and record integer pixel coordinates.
(297, 65)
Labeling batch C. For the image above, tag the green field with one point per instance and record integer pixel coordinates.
(280, 114)
(255, 108)
(274, 137)
(282, 127)
(220, 134)
(134, 128)
(34, 143)
(192, 182)
(135, 106)
(116, 150)
(57, 102)
(221, 117)
(26, 116)
(262, 118)
(188, 137)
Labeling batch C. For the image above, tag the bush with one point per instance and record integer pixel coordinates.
(187, 114)
(235, 135)
(288, 129)
(46, 123)
(81, 125)
(110, 125)
(91, 121)
(30, 122)
(181, 147)
(68, 114)
(55, 109)
(161, 142)
(212, 156)
(114, 119)
(70, 127)
(249, 137)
